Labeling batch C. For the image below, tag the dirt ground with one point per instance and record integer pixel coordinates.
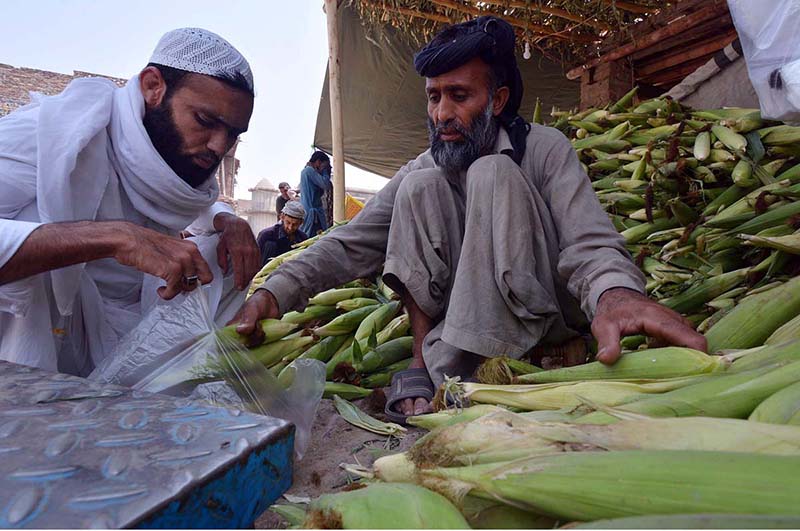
(333, 442)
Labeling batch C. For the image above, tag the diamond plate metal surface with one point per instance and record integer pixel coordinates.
(78, 454)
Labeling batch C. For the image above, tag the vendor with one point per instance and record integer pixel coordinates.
(280, 237)
(96, 185)
(493, 237)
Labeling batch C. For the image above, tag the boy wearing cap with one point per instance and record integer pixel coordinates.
(279, 238)
(96, 185)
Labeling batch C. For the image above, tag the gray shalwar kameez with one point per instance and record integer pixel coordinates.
(502, 257)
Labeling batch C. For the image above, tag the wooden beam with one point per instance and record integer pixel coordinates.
(544, 31)
(673, 75)
(701, 33)
(337, 128)
(435, 17)
(675, 28)
(554, 11)
(682, 56)
(630, 7)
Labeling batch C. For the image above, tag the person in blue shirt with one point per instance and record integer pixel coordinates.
(279, 238)
(315, 180)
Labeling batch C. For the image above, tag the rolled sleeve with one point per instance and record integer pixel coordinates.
(204, 224)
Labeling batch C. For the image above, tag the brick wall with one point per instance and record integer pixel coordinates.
(16, 83)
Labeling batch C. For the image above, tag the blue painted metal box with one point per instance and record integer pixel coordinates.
(79, 454)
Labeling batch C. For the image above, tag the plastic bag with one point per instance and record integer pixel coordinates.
(771, 44)
(177, 350)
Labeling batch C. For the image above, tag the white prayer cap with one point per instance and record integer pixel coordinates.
(202, 52)
(294, 209)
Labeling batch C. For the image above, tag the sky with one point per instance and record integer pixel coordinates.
(285, 42)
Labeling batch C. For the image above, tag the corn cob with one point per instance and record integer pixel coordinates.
(383, 506)
(770, 218)
(706, 290)
(569, 394)
(397, 327)
(781, 408)
(345, 323)
(450, 417)
(294, 514)
(669, 362)
(383, 377)
(490, 514)
(333, 296)
(325, 348)
(376, 320)
(384, 355)
(697, 521)
(788, 332)
(755, 484)
(346, 391)
(537, 112)
(311, 313)
(733, 395)
(273, 331)
(755, 318)
(269, 354)
(349, 305)
(789, 243)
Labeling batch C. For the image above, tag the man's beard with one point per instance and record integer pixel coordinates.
(479, 139)
(160, 126)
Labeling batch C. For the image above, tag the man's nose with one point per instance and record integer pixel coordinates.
(445, 111)
(218, 143)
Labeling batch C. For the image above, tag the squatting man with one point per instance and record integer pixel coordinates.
(96, 184)
(493, 237)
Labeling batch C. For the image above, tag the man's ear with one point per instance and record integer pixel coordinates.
(153, 86)
(501, 96)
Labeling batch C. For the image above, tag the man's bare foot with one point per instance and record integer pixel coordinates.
(413, 407)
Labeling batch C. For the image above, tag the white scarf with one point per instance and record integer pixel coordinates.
(91, 129)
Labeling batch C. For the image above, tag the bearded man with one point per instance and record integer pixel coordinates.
(493, 238)
(97, 183)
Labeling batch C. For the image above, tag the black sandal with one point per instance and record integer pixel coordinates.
(409, 383)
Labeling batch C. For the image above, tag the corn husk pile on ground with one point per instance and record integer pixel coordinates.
(667, 437)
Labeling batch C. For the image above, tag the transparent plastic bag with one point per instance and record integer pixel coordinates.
(771, 44)
(177, 350)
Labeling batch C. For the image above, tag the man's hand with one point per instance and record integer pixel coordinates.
(237, 244)
(169, 258)
(622, 312)
(261, 305)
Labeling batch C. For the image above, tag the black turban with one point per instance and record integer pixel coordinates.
(492, 39)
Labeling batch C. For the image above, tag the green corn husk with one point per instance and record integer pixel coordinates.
(770, 218)
(755, 358)
(383, 377)
(397, 327)
(731, 195)
(450, 417)
(269, 354)
(377, 320)
(789, 243)
(569, 394)
(384, 506)
(781, 408)
(325, 348)
(273, 331)
(733, 395)
(640, 232)
(655, 363)
(505, 436)
(345, 323)
(755, 318)
(488, 514)
(384, 355)
(345, 391)
(788, 332)
(294, 514)
(698, 294)
(333, 296)
(644, 482)
(348, 305)
(358, 418)
(697, 521)
(311, 313)
(502, 370)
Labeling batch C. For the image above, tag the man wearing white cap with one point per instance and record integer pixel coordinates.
(279, 238)
(96, 184)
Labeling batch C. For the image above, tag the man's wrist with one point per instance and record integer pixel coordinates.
(617, 294)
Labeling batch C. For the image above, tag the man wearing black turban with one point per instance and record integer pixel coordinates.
(493, 238)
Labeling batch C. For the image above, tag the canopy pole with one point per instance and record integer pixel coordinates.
(335, 87)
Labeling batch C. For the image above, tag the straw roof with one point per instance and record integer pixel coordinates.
(567, 30)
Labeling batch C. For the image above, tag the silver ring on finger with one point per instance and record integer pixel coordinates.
(191, 280)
